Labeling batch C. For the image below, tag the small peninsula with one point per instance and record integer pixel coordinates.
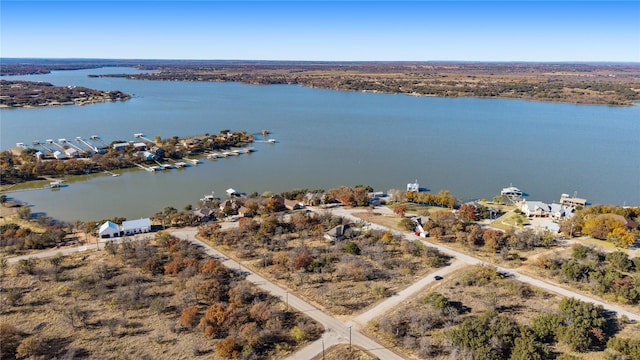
(32, 94)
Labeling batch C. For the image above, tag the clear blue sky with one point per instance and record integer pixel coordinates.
(324, 30)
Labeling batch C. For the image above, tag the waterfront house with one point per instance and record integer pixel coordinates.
(293, 205)
(540, 209)
(535, 209)
(559, 211)
(139, 226)
(109, 230)
(245, 212)
(232, 205)
(204, 214)
(312, 199)
(158, 151)
(140, 146)
(120, 146)
(148, 156)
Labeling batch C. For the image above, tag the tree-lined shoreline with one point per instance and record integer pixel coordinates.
(610, 84)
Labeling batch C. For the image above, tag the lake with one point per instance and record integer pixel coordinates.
(472, 147)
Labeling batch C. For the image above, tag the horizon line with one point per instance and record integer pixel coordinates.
(2, 58)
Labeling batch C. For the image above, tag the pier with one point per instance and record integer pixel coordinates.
(192, 161)
(147, 168)
(141, 136)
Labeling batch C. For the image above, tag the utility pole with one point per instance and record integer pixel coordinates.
(350, 338)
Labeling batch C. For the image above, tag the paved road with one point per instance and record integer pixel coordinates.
(335, 330)
(75, 249)
(396, 299)
(543, 284)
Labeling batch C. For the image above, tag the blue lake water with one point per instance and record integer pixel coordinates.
(472, 147)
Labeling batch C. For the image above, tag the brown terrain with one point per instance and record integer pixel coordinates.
(590, 83)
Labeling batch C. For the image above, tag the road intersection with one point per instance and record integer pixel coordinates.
(338, 331)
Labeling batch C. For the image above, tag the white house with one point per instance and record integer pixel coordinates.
(561, 211)
(536, 208)
(540, 209)
(139, 226)
(130, 227)
(109, 230)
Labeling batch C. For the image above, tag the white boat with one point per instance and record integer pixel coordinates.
(208, 197)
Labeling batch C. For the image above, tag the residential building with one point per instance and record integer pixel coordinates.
(138, 226)
(109, 230)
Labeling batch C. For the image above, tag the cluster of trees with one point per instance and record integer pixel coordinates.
(15, 238)
(26, 167)
(349, 196)
(171, 216)
(494, 334)
(222, 305)
(293, 248)
(612, 275)
(177, 148)
(207, 299)
(447, 227)
(29, 93)
(442, 198)
(605, 222)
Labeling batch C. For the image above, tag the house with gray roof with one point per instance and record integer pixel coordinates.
(139, 226)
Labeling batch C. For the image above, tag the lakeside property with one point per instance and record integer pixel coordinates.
(50, 158)
(470, 146)
(356, 277)
(19, 94)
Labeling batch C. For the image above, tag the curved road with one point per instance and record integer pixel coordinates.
(337, 331)
(543, 284)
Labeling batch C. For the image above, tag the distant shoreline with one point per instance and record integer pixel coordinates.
(611, 84)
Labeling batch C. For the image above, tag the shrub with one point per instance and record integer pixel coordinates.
(229, 347)
(626, 347)
(32, 346)
(352, 248)
(10, 338)
(298, 334)
(188, 317)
